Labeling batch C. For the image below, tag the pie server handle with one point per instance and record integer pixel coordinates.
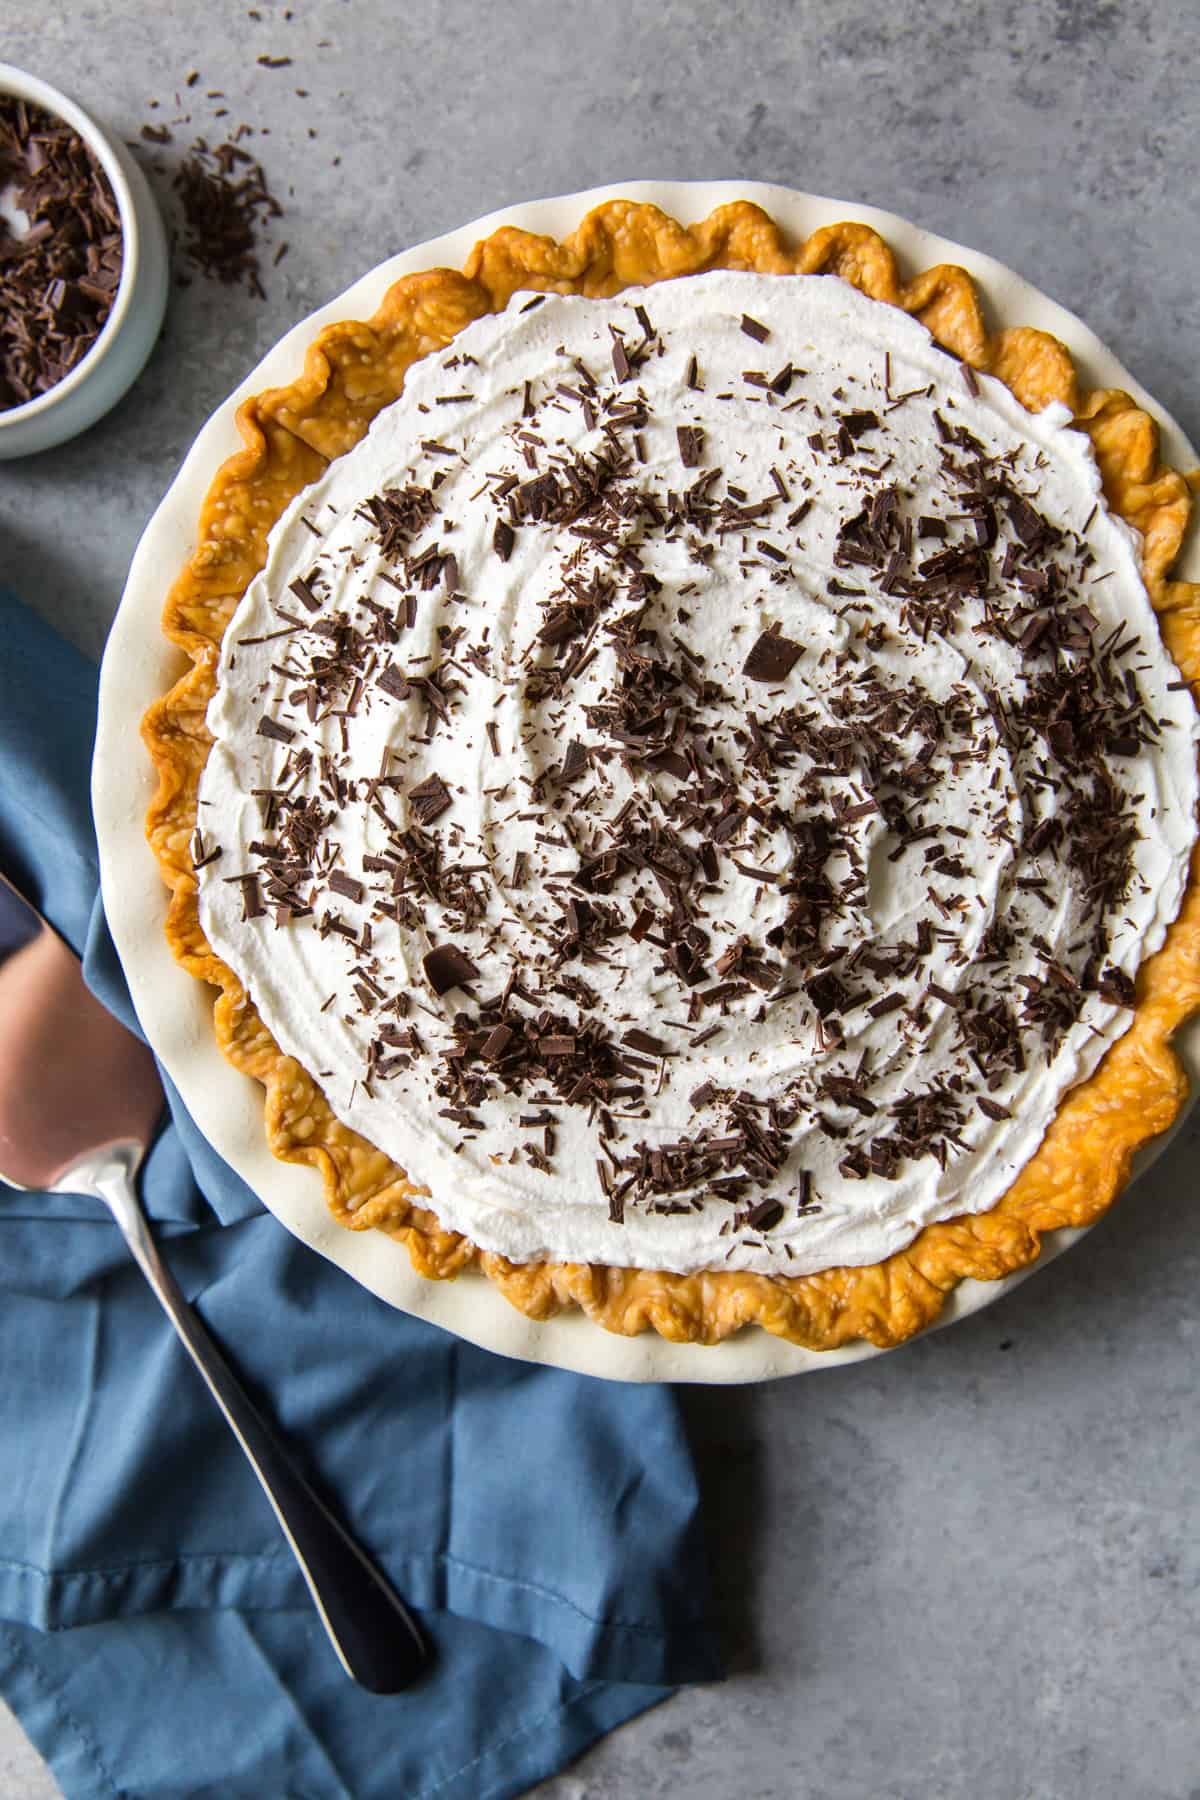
(374, 1634)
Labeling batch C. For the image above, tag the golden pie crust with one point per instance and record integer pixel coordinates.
(291, 433)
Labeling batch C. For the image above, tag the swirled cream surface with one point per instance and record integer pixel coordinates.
(695, 783)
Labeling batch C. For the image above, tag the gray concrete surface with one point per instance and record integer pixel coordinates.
(968, 1571)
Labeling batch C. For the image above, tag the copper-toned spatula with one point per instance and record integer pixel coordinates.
(79, 1101)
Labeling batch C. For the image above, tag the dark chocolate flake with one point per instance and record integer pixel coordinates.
(889, 1003)
(302, 588)
(395, 682)
(252, 902)
(271, 728)
(772, 658)
(346, 885)
(446, 967)
(497, 1042)
(1117, 987)
(691, 443)
(429, 799)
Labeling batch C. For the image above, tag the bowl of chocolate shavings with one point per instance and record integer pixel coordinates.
(83, 267)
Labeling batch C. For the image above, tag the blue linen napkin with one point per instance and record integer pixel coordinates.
(155, 1636)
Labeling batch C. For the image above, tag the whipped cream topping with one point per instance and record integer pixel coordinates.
(695, 783)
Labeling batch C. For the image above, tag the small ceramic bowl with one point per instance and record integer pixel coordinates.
(118, 355)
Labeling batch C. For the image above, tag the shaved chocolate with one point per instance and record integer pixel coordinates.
(278, 733)
(755, 329)
(303, 591)
(765, 1216)
(446, 967)
(429, 799)
(252, 902)
(346, 885)
(828, 993)
(691, 444)
(772, 658)
(888, 1003)
(1116, 987)
(496, 1043)
(226, 205)
(59, 276)
(201, 858)
(574, 762)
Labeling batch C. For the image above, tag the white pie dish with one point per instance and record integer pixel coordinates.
(176, 1011)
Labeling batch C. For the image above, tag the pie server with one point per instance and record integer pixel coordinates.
(80, 1099)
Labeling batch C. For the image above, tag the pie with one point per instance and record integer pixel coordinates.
(687, 781)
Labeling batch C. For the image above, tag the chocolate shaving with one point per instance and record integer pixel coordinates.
(225, 203)
(691, 443)
(303, 590)
(772, 658)
(429, 799)
(346, 885)
(395, 682)
(271, 728)
(765, 1216)
(446, 967)
(1117, 987)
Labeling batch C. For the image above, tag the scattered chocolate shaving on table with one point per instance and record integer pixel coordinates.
(225, 202)
(59, 277)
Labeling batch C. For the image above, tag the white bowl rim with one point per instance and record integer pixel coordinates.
(21, 85)
(471, 1307)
